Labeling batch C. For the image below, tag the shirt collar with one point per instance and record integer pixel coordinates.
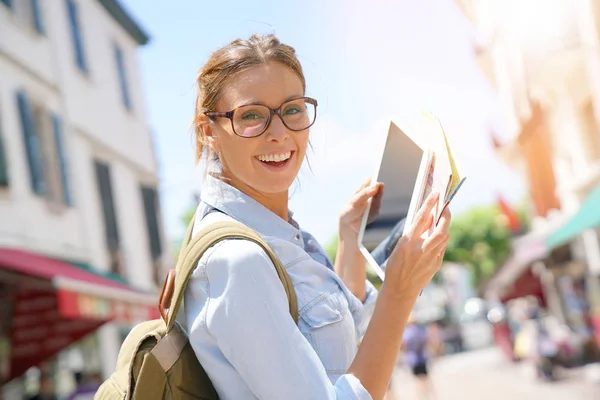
(233, 202)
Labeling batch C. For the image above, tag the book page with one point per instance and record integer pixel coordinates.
(440, 176)
(456, 179)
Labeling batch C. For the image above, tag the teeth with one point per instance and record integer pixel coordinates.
(275, 157)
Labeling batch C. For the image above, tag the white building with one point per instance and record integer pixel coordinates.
(78, 174)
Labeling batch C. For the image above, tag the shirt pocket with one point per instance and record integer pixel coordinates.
(329, 326)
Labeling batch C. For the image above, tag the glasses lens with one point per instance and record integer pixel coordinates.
(298, 114)
(250, 121)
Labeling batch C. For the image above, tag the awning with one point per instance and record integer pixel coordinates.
(527, 284)
(54, 304)
(517, 265)
(587, 217)
(526, 250)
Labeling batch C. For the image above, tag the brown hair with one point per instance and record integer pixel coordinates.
(226, 62)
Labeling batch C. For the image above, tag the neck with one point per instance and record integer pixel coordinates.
(275, 202)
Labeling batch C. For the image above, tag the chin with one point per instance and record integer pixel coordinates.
(274, 186)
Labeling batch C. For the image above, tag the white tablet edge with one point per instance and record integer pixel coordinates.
(425, 161)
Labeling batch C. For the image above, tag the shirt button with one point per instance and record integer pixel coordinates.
(297, 236)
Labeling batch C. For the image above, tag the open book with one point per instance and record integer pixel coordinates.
(444, 175)
(414, 162)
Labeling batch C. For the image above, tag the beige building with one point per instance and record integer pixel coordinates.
(543, 58)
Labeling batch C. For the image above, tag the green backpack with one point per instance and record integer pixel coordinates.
(156, 360)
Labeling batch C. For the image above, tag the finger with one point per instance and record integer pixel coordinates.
(365, 194)
(423, 219)
(378, 196)
(436, 259)
(435, 242)
(365, 184)
(376, 201)
(440, 250)
(444, 221)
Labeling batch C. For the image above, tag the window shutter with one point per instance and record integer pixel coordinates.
(37, 17)
(108, 207)
(3, 163)
(122, 77)
(76, 35)
(150, 200)
(62, 162)
(30, 138)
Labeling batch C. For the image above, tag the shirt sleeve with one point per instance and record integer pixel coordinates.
(247, 314)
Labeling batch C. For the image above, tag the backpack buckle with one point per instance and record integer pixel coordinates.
(164, 301)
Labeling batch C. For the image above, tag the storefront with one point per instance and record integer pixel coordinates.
(524, 275)
(47, 305)
(583, 292)
(517, 277)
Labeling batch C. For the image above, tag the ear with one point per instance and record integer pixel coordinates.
(208, 127)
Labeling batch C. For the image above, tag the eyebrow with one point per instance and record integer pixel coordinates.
(259, 103)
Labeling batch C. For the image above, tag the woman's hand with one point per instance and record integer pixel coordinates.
(350, 264)
(416, 258)
(352, 215)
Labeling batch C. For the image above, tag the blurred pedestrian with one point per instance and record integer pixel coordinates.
(46, 391)
(415, 342)
(87, 385)
(435, 342)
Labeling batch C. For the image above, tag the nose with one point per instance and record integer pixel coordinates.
(276, 131)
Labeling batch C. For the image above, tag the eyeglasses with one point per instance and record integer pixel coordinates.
(252, 120)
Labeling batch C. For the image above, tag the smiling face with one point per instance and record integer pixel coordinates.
(268, 164)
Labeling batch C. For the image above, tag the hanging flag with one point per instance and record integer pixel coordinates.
(512, 219)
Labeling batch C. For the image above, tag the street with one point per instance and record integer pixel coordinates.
(485, 374)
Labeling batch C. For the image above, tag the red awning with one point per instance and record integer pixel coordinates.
(527, 284)
(56, 304)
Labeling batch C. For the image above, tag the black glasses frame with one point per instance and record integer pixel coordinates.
(272, 111)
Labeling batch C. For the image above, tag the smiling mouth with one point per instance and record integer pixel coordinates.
(275, 160)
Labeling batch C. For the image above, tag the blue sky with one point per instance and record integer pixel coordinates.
(363, 62)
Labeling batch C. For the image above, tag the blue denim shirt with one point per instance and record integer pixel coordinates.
(382, 252)
(237, 317)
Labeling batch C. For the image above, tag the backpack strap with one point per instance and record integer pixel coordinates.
(192, 250)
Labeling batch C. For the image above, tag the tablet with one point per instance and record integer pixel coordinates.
(403, 167)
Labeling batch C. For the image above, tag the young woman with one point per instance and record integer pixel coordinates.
(252, 123)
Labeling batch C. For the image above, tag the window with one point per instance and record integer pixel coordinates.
(28, 11)
(3, 163)
(3, 160)
(43, 138)
(32, 146)
(122, 77)
(63, 178)
(111, 228)
(36, 16)
(76, 35)
(150, 200)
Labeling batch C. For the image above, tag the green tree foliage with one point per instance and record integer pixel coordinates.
(479, 240)
(187, 216)
(331, 249)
